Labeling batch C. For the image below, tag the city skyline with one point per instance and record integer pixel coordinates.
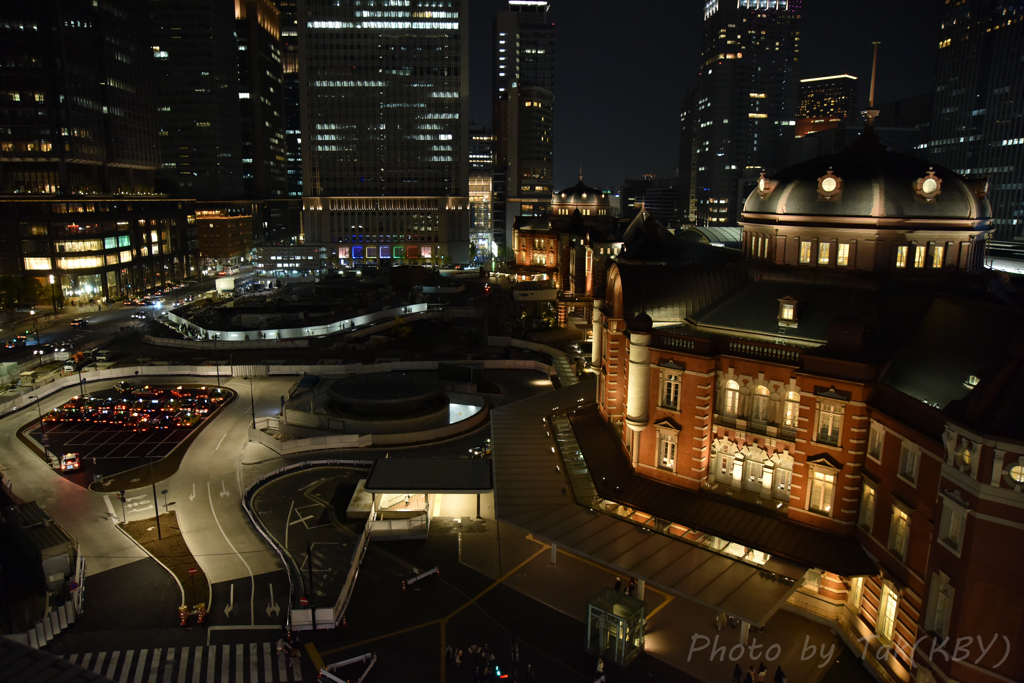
(634, 129)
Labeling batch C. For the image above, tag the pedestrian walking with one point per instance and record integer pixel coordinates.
(737, 674)
(780, 675)
(762, 671)
(749, 678)
(448, 652)
(618, 584)
(458, 658)
(631, 586)
(600, 667)
(280, 646)
(720, 620)
(530, 673)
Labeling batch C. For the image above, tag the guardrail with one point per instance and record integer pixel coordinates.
(234, 345)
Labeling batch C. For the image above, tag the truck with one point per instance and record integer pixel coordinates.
(104, 356)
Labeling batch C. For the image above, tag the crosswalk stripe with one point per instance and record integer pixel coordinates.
(154, 668)
(168, 665)
(183, 666)
(127, 667)
(140, 671)
(172, 665)
(113, 664)
(198, 666)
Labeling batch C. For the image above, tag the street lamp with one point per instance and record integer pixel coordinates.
(252, 402)
(53, 294)
(42, 427)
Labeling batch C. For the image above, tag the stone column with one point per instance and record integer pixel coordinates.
(598, 337)
(639, 381)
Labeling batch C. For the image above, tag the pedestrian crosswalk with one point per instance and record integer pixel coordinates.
(239, 663)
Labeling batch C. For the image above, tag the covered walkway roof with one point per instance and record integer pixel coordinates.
(532, 493)
(430, 475)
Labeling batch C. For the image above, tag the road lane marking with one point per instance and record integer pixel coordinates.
(221, 441)
(252, 579)
(300, 520)
(110, 509)
(287, 525)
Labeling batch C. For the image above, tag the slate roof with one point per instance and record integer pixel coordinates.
(671, 293)
(615, 480)
(430, 475)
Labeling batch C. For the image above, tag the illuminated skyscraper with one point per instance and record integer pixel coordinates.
(826, 102)
(481, 190)
(385, 89)
(524, 98)
(292, 121)
(746, 105)
(196, 67)
(977, 128)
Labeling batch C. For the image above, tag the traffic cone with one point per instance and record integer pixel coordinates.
(344, 622)
(403, 585)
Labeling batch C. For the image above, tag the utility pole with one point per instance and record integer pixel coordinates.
(156, 505)
(252, 403)
(42, 428)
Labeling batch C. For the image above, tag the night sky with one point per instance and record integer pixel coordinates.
(624, 68)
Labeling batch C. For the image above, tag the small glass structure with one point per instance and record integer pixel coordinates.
(615, 626)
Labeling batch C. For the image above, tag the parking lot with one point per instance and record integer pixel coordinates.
(112, 432)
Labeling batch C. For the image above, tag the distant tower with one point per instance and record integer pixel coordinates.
(826, 102)
(746, 102)
(196, 63)
(481, 192)
(976, 126)
(523, 97)
(385, 125)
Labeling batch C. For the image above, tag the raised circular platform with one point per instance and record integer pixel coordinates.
(384, 394)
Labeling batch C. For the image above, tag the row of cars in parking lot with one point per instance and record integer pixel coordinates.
(143, 409)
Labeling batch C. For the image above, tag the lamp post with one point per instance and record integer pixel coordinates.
(42, 427)
(53, 294)
(252, 403)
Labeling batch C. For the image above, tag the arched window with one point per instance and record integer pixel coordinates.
(759, 411)
(731, 403)
(792, 409)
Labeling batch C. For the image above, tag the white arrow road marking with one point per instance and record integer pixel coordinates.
(231, 604)
(223, 490)
(273, 609)
(193, 496)
(252, 579)
(142, 497)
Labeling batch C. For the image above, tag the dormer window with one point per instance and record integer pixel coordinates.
(830, 187)
(787, 312)
(929, 187)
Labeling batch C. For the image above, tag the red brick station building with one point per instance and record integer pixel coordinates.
(846, 394)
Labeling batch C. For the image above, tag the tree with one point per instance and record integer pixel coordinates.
(11, 289)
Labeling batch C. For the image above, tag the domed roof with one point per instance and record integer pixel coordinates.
(580, 194)
(866, 181)
(641, 323)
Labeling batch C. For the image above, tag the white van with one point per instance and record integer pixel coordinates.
(104, 356)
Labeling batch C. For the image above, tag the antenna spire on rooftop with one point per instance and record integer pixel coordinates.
(871, 113)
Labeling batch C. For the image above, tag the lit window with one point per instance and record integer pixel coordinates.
(670, 390)
(856, 591)
(667, 443)
(899, 532)
(938, 255)
(887, 614)
(759, 409)
(919, 256)
(843, 255)
(805, 252)
(787, 311)
(823, 253)
(791, 412)
(867, 506)
(731, 402)
(830, 423)
(901, 257)
(822, 492)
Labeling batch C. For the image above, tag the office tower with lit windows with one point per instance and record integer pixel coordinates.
(747, 100)
(261, 99)
(977, 128)
(385, 93)
(261, 104)
(826, 102)
(523, 100)
(78, 150)
(292, 120)
(196, 68)
(481, 190)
